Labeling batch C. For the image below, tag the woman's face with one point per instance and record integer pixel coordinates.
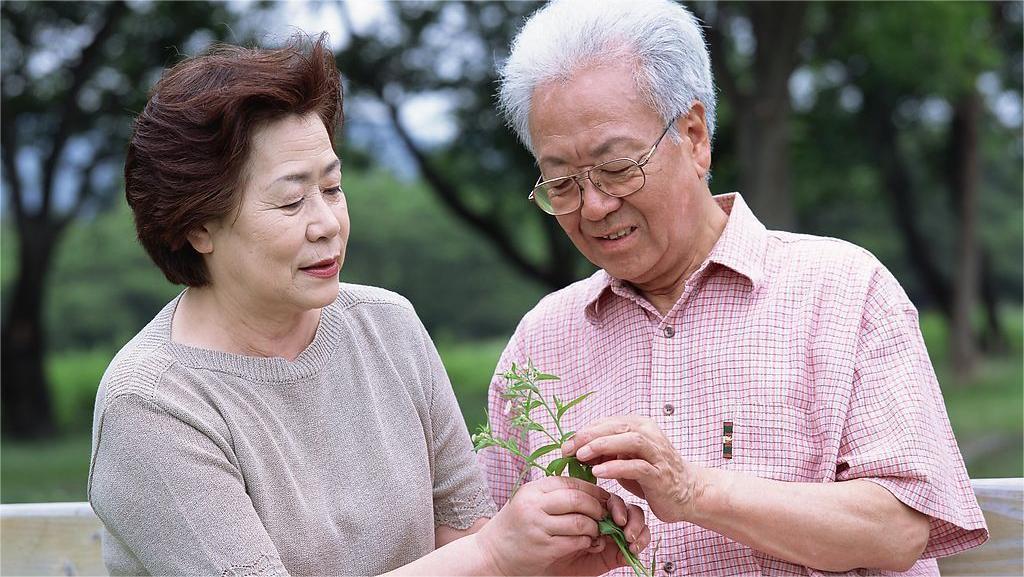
(281, 251)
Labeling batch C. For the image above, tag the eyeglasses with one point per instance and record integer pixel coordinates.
(618, 178)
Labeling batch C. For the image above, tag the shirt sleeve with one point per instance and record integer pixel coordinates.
(171, 495)
(897, 433)
(503, 470)
(460, 492)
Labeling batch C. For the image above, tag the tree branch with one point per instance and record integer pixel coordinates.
(11, 174)
(86, 191)
(70, 113)
(446, 191)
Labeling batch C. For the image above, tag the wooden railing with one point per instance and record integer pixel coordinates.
(64, 538)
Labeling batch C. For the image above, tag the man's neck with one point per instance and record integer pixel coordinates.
(665, 293)
(210, 319)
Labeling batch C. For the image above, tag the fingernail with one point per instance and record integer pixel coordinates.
(598, 470)
(584, 453)
(567, 446)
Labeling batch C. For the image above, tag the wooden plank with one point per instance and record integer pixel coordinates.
(50, 539)
(1002, 502)
(64, 538)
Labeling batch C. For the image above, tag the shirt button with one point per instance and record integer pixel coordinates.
(669, 332)
(669, 567)
(668, 409)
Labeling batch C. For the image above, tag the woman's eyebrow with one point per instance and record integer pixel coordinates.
(305, 177)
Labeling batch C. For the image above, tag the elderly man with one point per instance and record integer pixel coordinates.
(767, 395)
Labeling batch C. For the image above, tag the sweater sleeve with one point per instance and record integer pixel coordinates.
(171, 495)
(460, 492)
(504, 470)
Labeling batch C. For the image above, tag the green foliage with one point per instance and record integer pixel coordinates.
(987, 414)
(44, 471)
(403, 240)
(470, 366)
(105, 287)
(523, 391)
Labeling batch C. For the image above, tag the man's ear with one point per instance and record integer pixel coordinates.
(694, 129)
(201, 239)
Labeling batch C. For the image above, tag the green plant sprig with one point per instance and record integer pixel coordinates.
(524, 395)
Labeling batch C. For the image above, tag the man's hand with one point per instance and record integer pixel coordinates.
(550, 527)
(634, 451)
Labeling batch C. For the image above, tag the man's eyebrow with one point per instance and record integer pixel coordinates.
(303, 177)
(605, 147)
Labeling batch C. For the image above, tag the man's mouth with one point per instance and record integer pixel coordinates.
(619, 233)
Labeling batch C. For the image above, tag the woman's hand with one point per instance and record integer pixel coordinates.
(605, 556)
(550, 527)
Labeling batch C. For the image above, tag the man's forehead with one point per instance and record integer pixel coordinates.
(593, 146)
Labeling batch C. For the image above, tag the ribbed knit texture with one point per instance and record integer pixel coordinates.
(341, 462)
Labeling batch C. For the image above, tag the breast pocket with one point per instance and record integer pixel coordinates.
(776, 440)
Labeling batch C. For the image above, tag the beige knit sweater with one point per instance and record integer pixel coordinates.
(341, 462)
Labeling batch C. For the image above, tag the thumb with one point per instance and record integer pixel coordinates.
(633, 487)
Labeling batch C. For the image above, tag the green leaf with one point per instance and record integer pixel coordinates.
(567, 435)
(543, 451)
(545, 377)
(578, 470)
(572, 403)
(556, 467)
(534, 426)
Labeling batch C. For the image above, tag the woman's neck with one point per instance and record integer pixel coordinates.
(209, 319)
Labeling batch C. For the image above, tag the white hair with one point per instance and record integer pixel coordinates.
(665, 39)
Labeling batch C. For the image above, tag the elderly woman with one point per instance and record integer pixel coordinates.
(266, 422)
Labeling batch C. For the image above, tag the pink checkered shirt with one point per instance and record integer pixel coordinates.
(808, 345)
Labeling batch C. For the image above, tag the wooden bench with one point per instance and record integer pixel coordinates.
(64, 538)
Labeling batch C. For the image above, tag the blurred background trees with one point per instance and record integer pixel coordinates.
(895, 126)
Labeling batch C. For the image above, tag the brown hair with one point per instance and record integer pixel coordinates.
(190, 145)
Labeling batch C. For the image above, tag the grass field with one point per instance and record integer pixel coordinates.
(987, 413)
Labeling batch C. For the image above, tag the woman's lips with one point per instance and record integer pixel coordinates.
(323, 269)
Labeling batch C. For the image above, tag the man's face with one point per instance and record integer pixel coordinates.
(598, 115)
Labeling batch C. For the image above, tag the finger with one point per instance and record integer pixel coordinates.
(633, 469)
(600, 428)
(632, 444)
(563, 545)
(643, 542)
(569, 501)
(572, 525)
(635, 523)
(617, 509)
(552, 484)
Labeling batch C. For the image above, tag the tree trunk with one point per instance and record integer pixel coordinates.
(762, 145)
(26, 407)
(878, 125)
(993, 339)
(764, 110)
(964, 148)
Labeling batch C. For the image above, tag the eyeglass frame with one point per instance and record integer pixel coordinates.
(585, 174)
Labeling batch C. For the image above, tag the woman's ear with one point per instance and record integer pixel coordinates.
(201, 239)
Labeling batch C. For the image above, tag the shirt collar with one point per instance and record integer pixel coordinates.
(743, 243)
(740, 248)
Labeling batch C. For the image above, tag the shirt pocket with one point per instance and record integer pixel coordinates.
(776, 440)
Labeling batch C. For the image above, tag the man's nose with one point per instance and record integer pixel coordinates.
(596, 204)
